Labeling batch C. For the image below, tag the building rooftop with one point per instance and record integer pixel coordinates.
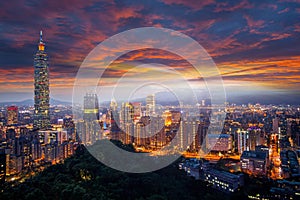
(224, 174)
(254, 154)
(218, 135)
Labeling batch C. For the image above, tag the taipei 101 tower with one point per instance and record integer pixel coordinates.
(41, 88)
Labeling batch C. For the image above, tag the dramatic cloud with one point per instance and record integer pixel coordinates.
(253, 43)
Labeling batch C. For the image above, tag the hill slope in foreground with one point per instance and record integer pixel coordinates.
(83, 177)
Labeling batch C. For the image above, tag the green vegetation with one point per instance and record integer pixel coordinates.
(83, 177)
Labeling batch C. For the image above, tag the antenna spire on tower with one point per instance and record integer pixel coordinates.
(41, 43)
(41, 35)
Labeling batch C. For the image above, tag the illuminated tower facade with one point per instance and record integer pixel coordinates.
(12, 115)
(91, 107)
(150, 105)
(41, 88)
(91, 131)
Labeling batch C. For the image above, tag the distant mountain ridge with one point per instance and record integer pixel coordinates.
(167, 98)
(29, 102)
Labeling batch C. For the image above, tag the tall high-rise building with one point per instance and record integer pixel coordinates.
(41, 88)
(137, 110)
(256, 137)
(12, 115)
(113, 105)
(126, 121)
(275, 123)
(90, 107)
(150, 105)
(91, 131)
(242, 141)
(114, 117)
(127, 113)
(2, 166)
(295, 132)
(141, 130)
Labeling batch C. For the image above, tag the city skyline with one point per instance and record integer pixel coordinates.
(253, 44)
(255, 141)
(153, 99)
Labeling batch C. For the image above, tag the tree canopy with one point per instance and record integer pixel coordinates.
(83, 177)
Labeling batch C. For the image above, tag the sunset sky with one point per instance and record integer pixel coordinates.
(255, 44)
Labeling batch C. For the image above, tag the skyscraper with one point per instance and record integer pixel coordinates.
(41, 88)
(150, 105)
(12, 115)
(127, 113)
(91, 131)
(2, 166)
(137, 110)
(242, 141)
(114, 117)
(91, 107)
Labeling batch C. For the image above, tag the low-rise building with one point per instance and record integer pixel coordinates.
(224, 181)
(254, 162)
(205, 171)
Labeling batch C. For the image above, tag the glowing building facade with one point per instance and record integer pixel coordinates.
(150, 105)
(12, 115)
(91, 131)
(41, 88)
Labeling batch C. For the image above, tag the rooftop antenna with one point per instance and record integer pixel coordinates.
(41, 36)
